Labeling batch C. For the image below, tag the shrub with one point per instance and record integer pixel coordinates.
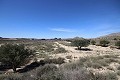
(46, 69)
(80, 43)
(93, 42)
(102, 62)
(55, 61)
(14, 54)
(104, 43)
(118, 68)
(115, 39)
(60, 50)
(72, 66)
(94, 65)
(46, 72)
(117, 44)
(118, 73)
(105, 76)
(76, 74)
(110, 68)
(69, 57)
(11, 76)
(110, 56)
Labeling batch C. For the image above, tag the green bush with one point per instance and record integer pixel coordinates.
(93, 42)
(15, 55)
(80, 43)
(104, 43)
(117, 44)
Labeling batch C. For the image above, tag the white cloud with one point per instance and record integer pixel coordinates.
(62, 30)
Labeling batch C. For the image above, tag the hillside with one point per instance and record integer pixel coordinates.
(112, 36)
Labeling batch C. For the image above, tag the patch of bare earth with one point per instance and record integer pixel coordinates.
(96, 51)
(76, 54)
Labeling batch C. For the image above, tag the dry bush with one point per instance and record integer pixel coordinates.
(118, 68)
(76, 74)
(60, 50)
(55, 61)
(105, 76)
(118, 73)
(69, 71)
(69, 57)
(11, 76)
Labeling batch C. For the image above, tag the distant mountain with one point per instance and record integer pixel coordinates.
(112, 36)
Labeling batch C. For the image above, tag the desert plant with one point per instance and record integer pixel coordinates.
(60, 50)
(55, 61)
(105, 76)
(80, 43)
(45, 69)
(117, 44)
(76, 74)
(11, 76)
(118, 73)
(104, 43)
(14, 54)
(115, 39)
(69, 57)
(118, 68)
(93, 42)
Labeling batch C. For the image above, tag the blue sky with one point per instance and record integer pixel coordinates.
(59, 18)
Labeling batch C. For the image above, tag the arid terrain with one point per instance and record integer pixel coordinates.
(93, 62)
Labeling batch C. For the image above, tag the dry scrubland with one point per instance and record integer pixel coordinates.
(58, 60)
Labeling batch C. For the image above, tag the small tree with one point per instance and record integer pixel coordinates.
(81, 43)
(93, 42)
(104, 43)
(117, 44)
(14, 54)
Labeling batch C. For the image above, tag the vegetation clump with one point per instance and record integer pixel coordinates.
(117, 44)
(104, 43)
(93, 42)
(80, 43)
(55, 61)
(60, 50)
(14, 55)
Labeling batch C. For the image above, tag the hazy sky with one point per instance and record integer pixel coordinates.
(59, 18)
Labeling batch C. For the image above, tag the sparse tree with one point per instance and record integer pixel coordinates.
(93, 42)
(14, 54)
(117, 44)
(80, 43)
(104, 43)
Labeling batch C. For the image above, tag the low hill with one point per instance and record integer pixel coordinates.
(112, 36)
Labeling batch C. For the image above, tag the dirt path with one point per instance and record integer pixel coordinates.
(68, 48)
(96, 51)
(76, 54)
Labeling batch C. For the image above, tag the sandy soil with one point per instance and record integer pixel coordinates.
(76, 54)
